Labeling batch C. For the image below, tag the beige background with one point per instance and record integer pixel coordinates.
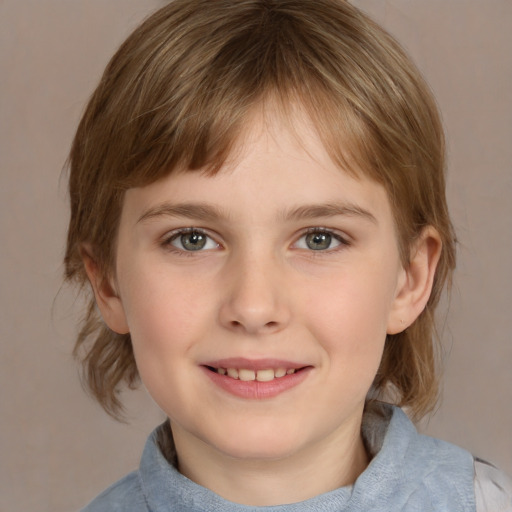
(58, 449)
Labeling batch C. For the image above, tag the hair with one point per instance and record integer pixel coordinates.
(177, 95)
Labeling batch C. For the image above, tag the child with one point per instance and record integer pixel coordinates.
(257, 200)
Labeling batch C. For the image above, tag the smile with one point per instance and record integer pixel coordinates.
(262, 379)
(246, 375)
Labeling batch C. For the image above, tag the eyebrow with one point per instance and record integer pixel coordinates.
(208, 212)
(328, 210)
(194, 211)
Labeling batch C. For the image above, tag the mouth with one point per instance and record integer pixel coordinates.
(259, 379)
(248, 374)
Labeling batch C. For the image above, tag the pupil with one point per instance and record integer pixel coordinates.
(318, 241)
(193, 241)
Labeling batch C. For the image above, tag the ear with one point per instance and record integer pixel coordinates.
(107, 298)
(415, 282)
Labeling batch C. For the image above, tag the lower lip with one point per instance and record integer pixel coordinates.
(254, 389)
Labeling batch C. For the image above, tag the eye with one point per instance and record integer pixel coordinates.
(318, 239)
(192, 240)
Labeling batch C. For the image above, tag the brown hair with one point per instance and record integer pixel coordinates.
(177, 94)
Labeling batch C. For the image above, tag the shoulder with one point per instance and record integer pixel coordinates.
(419, 472)
(124, 496)
(493, 488)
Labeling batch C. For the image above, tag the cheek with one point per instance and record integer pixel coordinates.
(165, 321)
(159, 301)
(163, 316)
(349, 319)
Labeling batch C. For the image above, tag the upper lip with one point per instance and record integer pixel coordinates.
(254, 364)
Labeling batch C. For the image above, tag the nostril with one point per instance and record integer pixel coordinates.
(268, 325)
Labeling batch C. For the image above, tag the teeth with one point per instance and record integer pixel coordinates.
(246, 374)
(259, 375)
(233, 373)
(265, 375)
(280, 372)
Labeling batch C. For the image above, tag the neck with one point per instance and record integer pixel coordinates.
(332, 463)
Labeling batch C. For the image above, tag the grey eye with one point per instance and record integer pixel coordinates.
(318, 241)
(193, 241)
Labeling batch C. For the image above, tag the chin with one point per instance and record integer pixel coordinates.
(260, 451)
(260, 444)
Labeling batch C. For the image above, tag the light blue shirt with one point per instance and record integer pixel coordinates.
(409, 472)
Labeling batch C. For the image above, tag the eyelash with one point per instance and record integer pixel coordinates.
(174, 235)
(167, 242)
(343, 241)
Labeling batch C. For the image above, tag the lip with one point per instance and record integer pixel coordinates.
(255, 390)
(254, 364)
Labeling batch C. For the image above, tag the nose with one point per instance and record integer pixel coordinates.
(255, 296)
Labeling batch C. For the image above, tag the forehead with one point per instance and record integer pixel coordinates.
(278, 165)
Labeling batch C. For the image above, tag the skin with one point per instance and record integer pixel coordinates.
(258, 290)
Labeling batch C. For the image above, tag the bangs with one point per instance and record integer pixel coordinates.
(192, 96)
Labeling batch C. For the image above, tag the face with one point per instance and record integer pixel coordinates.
(258, 300)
